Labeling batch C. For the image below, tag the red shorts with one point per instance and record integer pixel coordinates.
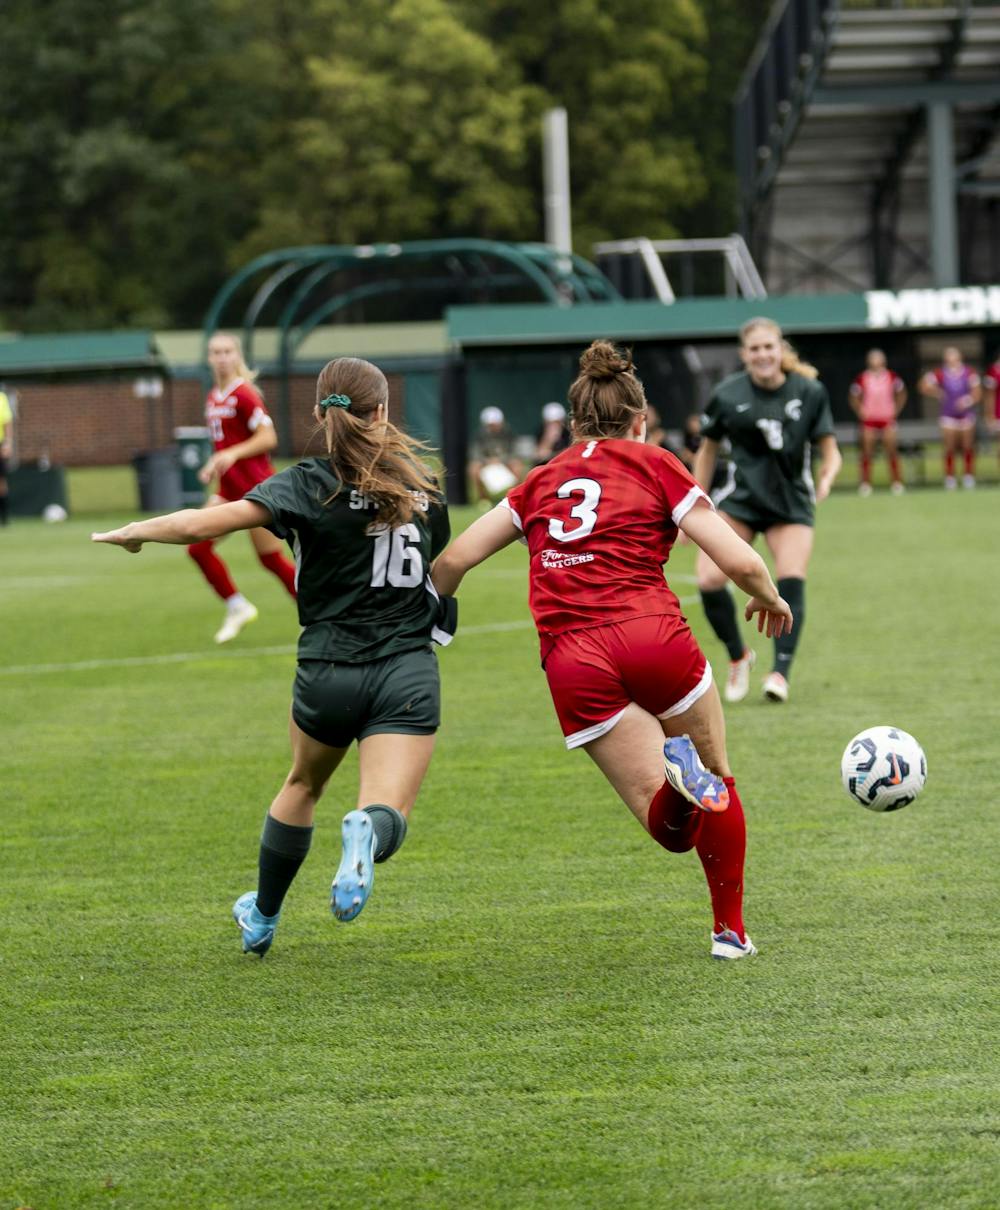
(879, 425)
(595, 673)
(238, 480)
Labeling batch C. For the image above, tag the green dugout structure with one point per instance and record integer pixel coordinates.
(519, 356)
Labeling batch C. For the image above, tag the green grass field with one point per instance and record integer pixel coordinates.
(526, 1014)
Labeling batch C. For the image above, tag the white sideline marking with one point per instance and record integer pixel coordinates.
(239, 653)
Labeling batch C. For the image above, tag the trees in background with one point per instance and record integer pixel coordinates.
(149, 147)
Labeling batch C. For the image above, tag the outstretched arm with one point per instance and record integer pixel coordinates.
(492, 532)
(742, 565)
(187, 526)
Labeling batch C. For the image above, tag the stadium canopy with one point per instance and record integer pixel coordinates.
(867, 137)
(296, 289)
(53, 354)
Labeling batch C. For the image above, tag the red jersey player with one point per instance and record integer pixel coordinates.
(877, 396)
(624, 669)
(243, 435)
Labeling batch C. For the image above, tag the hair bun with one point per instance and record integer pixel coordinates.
(602, 361)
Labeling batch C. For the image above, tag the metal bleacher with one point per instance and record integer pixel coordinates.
(867, 137)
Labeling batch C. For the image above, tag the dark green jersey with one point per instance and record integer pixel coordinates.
(364, 591)
(771, 435)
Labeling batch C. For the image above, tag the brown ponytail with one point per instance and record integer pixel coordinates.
(378, 460)
(606, 395)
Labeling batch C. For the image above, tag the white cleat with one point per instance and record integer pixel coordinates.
(950, 483)
(738, 680)
(727, 945)
(864, 489)
(897, 488)
(237, 616)
(776, 688)
(968, 482)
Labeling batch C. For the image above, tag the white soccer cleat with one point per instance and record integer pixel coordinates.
(864, 489)
(897, 488)
(738, 680)
(776, 688)
(968, 482)
(237, 616)
(727, 945)
(950, 483)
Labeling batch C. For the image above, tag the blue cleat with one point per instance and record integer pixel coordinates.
(690, 778)
(727, 944)
(257, 930)
(356, 873)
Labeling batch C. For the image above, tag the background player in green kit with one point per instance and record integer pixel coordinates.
(772, 413)
(364, 524)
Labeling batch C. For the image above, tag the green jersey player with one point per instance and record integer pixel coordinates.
(364, 524)
(772, 414)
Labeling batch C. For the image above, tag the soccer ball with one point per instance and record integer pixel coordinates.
(883, 768)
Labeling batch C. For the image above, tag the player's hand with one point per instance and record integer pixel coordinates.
(822, 489)
(217, 465)
(773, 620)
(119, 537)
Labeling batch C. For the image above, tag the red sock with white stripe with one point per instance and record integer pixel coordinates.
(721, 844)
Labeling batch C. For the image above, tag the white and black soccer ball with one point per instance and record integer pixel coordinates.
(883, 768)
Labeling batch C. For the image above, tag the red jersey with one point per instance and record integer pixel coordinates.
(991, 381)
(599, 521)
(876, 390)
(233, 415)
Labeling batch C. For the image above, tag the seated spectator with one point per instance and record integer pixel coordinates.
(554, 435)
(656, 434)
(493, 469)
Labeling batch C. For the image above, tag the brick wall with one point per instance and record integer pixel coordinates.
(100, 422)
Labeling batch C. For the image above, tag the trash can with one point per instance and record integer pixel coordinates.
(194, 448)
(159, 480)
(33, 486)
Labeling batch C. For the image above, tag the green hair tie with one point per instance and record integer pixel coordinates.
(334, 401)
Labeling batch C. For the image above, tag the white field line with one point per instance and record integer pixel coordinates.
(228, 653)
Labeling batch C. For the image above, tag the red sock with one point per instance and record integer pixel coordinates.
(673, 821)
(949, 465)
(721, 844)
(212, 568)
(894, 469)
(866, 469)
(970, 462)
(278, 565)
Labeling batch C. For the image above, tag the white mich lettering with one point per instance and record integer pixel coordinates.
(948, 308)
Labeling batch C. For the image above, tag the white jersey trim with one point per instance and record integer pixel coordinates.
(579, 738)
(258, 417)
(505, 503)
(689, 501)
(689, 699)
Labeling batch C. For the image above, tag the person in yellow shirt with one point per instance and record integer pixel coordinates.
(6, 449)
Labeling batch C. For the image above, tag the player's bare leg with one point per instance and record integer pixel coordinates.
(948, 442)
(392, 768)
(869, 439)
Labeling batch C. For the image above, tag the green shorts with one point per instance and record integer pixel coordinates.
(339, 703)
(741, 506)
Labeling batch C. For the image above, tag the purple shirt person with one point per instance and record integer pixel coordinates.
(957, 389)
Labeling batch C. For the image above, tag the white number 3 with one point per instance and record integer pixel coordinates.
(585, 510)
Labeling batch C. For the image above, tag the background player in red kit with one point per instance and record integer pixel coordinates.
(623, 666)
(877, 396)
(243, 435)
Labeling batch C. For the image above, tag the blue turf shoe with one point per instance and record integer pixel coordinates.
(257, 930)
(690, 778)
(727, 944)
(356, 873)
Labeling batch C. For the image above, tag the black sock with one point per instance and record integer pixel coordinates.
(793, 589)
(283, 848)
(390, 829)
(3, 510)
(721, 613)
